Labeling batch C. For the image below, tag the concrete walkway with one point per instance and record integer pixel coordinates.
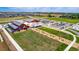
(72, 43)
(74, 32)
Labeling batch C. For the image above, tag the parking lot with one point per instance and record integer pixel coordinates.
(55, 24)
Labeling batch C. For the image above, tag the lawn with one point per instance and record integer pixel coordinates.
(77, 41)
(58, 33)
(32, 41)
(61, 47)
(65, 20)
(5, 20)
(73, 49)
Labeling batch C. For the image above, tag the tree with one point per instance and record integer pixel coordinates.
(49, 15)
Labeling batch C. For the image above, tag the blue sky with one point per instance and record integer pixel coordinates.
(40, 9)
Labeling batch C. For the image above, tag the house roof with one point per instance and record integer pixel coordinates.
(18, 22)
(12, 26)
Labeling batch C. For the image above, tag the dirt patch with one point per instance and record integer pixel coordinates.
(3, 46)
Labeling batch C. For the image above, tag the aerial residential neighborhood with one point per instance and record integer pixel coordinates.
(39, 31)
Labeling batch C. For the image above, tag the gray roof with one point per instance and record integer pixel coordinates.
(12, 26)
(18, 22)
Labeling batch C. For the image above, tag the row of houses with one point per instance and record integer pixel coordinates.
(18, 25)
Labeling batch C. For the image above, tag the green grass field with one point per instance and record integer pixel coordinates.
(77, 41)
(32, 41)
(58, 33)
(60, 19)
(73, 49)
(65, 20)
(61, 47)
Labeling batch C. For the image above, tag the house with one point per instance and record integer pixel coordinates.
(20, 24)
(17, 26)
(33, 23)
(17, 22)
(12, 27)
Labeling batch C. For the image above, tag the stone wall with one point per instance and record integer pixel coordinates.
(13, 46)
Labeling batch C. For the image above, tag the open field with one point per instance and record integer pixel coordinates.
(73, 21)
(65, 20)
(58, 33)
(5, 20)
(32, 41)
(40, 16)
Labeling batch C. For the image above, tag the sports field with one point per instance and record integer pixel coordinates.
(32, 41)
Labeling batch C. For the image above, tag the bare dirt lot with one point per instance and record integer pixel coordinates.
(3, 46)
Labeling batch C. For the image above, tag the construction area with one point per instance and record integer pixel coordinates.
(36, 35)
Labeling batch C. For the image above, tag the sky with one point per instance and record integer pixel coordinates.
(40, 9)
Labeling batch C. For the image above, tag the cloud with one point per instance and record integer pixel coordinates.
(40, 9)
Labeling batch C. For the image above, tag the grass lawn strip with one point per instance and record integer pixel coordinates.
(58, 33)
(76, 36)
(73, 49)
(73, 21)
